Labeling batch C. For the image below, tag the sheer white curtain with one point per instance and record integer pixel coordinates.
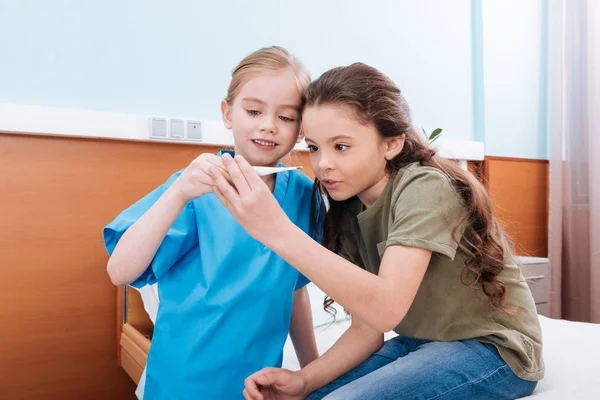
(574, 240)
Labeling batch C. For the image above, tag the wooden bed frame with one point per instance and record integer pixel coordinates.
(136, 333)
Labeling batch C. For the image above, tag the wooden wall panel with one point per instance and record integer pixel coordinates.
(519, 189)
(58, 337)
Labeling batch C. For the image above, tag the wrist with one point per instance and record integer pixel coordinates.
(281, 234)
(304, 374)
(175, 196)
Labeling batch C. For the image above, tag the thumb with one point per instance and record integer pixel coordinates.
(271, 378)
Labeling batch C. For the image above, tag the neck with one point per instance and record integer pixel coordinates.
(370, 195)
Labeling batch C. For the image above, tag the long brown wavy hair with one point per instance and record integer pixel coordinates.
(377, 101)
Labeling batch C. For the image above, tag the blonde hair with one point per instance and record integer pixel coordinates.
(272, 58)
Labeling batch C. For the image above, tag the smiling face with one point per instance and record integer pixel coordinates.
(264, 117)
(348, 157)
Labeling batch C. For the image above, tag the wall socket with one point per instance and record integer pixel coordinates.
(194, 130)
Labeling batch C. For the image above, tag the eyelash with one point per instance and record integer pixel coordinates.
(312, 148)
(254, 113)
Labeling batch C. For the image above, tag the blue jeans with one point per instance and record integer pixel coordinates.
(406, 368)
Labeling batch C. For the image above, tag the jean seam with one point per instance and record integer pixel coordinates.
(470, 382)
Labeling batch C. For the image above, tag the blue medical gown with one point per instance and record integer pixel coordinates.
(225, 298)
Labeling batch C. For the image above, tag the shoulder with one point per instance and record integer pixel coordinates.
(417, 172)
(419, 182)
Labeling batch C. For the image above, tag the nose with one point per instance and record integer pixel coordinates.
(324, 162)
(268, 125)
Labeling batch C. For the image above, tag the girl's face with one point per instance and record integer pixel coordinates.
(265, 118)
(347, 156)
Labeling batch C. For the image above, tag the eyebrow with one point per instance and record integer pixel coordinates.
(333, 139)
(259, 101)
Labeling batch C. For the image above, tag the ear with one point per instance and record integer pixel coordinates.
(226, 114)
(394, 146)
(300, 134)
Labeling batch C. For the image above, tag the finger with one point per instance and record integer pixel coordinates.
(267, 379)
(252, 388)
(216, 161)
(253, 179)
(229, 196)
(205, 160)
(248, 396)
(201, 177)
(239, 180)
(213, 158)
(267, 369)
(220, 169)
(221, 198)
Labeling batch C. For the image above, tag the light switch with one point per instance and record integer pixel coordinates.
(177, 128)
(158, 127)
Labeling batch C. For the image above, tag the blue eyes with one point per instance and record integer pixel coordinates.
(254, 113)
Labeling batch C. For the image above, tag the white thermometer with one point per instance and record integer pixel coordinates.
(262, 171)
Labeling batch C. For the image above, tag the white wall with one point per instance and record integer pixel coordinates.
(174, 58)
(515, 78)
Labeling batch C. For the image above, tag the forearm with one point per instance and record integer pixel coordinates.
(363, 294)
(138, 245)
(352, 348)
(301, 329)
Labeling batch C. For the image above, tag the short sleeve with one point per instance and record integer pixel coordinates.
(426, 209)
(301, 281)
(180, 238)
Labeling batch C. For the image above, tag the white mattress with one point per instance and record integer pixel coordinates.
(571, 353)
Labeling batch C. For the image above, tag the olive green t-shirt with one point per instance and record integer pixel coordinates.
(420, 207)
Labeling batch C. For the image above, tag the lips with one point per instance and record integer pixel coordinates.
(330, 184)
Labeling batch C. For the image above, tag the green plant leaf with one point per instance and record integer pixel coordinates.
(434, 135)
